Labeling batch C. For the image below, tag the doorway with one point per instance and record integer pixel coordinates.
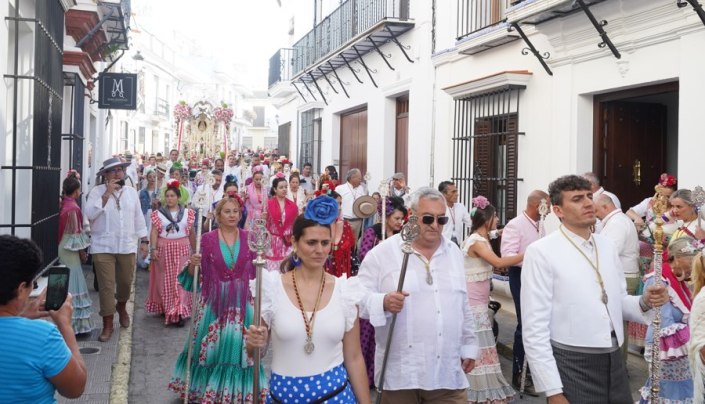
(353, 142)
(636, 139)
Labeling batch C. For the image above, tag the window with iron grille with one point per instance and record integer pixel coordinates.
(32, 163)
(310, 144)
(485, 149)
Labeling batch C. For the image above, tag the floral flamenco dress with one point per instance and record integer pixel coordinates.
(487, 384)
(676, 382)
(221, 369)
(280, 224)
(72, 240)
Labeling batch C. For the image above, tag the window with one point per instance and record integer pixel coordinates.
(485, 149)
(310, 145)
(259, 119)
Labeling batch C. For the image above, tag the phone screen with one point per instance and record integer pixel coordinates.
(57, 289)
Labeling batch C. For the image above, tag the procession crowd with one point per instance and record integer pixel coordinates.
(361, 290)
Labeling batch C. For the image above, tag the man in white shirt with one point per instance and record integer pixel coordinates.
(398, 188)
(214, 193)
(233, 168)
(457, 213)
(434, 341)
(306, 178)
(574, 300)
(619, 228)
(351, 190)
(173, 158)
(116, 220)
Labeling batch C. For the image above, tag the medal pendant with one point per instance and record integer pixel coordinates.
(604, 297)
(429, 279)
(308, 347)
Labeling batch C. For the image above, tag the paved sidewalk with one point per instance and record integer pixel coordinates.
(99, 357)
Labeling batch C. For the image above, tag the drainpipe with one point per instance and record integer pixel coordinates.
(433, 98)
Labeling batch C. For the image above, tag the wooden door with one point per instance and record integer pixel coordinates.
(353, 142)
(402, 137)
(633, 149)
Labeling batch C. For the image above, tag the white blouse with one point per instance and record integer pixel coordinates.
(288, 332)
(183, 224)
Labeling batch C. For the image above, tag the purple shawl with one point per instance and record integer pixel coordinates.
(224, 289)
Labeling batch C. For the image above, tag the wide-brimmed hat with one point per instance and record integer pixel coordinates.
(111, 163)
(161, 167)
(364, 207)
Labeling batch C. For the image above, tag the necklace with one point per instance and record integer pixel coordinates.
(533, 224)
(308, 322)
(117, 198)
(595, 266)
(427, 265)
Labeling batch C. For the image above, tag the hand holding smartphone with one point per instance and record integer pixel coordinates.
(57, 287)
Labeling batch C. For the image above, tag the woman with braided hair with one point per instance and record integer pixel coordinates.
(171, 241)
(72, 252)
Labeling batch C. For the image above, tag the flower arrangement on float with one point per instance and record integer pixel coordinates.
(182, 112)
(225, 115)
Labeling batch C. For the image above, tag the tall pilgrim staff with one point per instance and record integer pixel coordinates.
(409, 233)
(543, 212)
(699, 199)
(384, 192)
(659, 207)
(258, 240)
(200, 201)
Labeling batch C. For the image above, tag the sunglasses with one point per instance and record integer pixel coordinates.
(428, 220)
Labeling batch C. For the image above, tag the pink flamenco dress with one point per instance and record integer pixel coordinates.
(280, 224)
(487, 384)
(166, 296)
(255, 204)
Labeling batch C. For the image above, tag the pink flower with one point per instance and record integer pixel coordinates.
(480, 202)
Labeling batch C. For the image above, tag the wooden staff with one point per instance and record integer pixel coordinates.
(258, 240)
(659, 207)
(409, 233)
(199, 202)
(543, 211)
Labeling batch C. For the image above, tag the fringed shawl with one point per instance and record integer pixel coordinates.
(70, 218)
(224, 288)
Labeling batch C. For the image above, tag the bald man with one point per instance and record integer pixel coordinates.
(618, 227)
(516, 236)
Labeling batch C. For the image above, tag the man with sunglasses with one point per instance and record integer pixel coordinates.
(458, 215)
(434, 341)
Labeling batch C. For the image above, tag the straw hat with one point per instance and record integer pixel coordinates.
(364, 207)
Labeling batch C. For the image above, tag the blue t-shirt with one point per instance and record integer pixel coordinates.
(31, 352)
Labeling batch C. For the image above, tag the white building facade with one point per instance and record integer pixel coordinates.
(481, 113)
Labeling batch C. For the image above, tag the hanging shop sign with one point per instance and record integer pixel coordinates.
(117, 91)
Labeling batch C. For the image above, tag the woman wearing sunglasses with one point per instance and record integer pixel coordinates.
(486, 380)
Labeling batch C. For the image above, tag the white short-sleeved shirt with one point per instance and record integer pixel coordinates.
(288, 332)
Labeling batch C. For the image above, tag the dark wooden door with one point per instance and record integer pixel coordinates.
(633, 149)
(353, 142)
(283, 141)
(402, 137)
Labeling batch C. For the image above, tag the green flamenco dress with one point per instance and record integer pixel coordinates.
(221, 369)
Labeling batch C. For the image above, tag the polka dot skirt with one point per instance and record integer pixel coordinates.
(302, 390)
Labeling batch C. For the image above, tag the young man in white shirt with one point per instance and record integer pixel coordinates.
(434, 343)
(116, 220)
(574, 300)
(457, 213)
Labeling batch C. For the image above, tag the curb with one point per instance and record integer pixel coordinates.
(120, 380)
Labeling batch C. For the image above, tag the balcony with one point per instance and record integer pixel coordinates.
(280, 68)
(352, 30)
(538, 11)
(482, 25)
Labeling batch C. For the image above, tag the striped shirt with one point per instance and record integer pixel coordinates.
(32, 351)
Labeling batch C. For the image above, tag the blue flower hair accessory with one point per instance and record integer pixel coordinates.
(322, 210)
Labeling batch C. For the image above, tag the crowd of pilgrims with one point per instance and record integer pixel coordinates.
(319, 233)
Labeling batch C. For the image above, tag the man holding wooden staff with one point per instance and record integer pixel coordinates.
(573, 302)
(434, 343)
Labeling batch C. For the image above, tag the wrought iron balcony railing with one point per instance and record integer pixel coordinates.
(350, 19)
(280, 66)
(474, 15)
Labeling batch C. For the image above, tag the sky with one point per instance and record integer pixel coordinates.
(242, 32)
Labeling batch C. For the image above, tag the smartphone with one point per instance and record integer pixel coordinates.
(57, 287)
(121, 183)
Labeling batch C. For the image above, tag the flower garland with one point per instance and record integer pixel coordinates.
(182, 111)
